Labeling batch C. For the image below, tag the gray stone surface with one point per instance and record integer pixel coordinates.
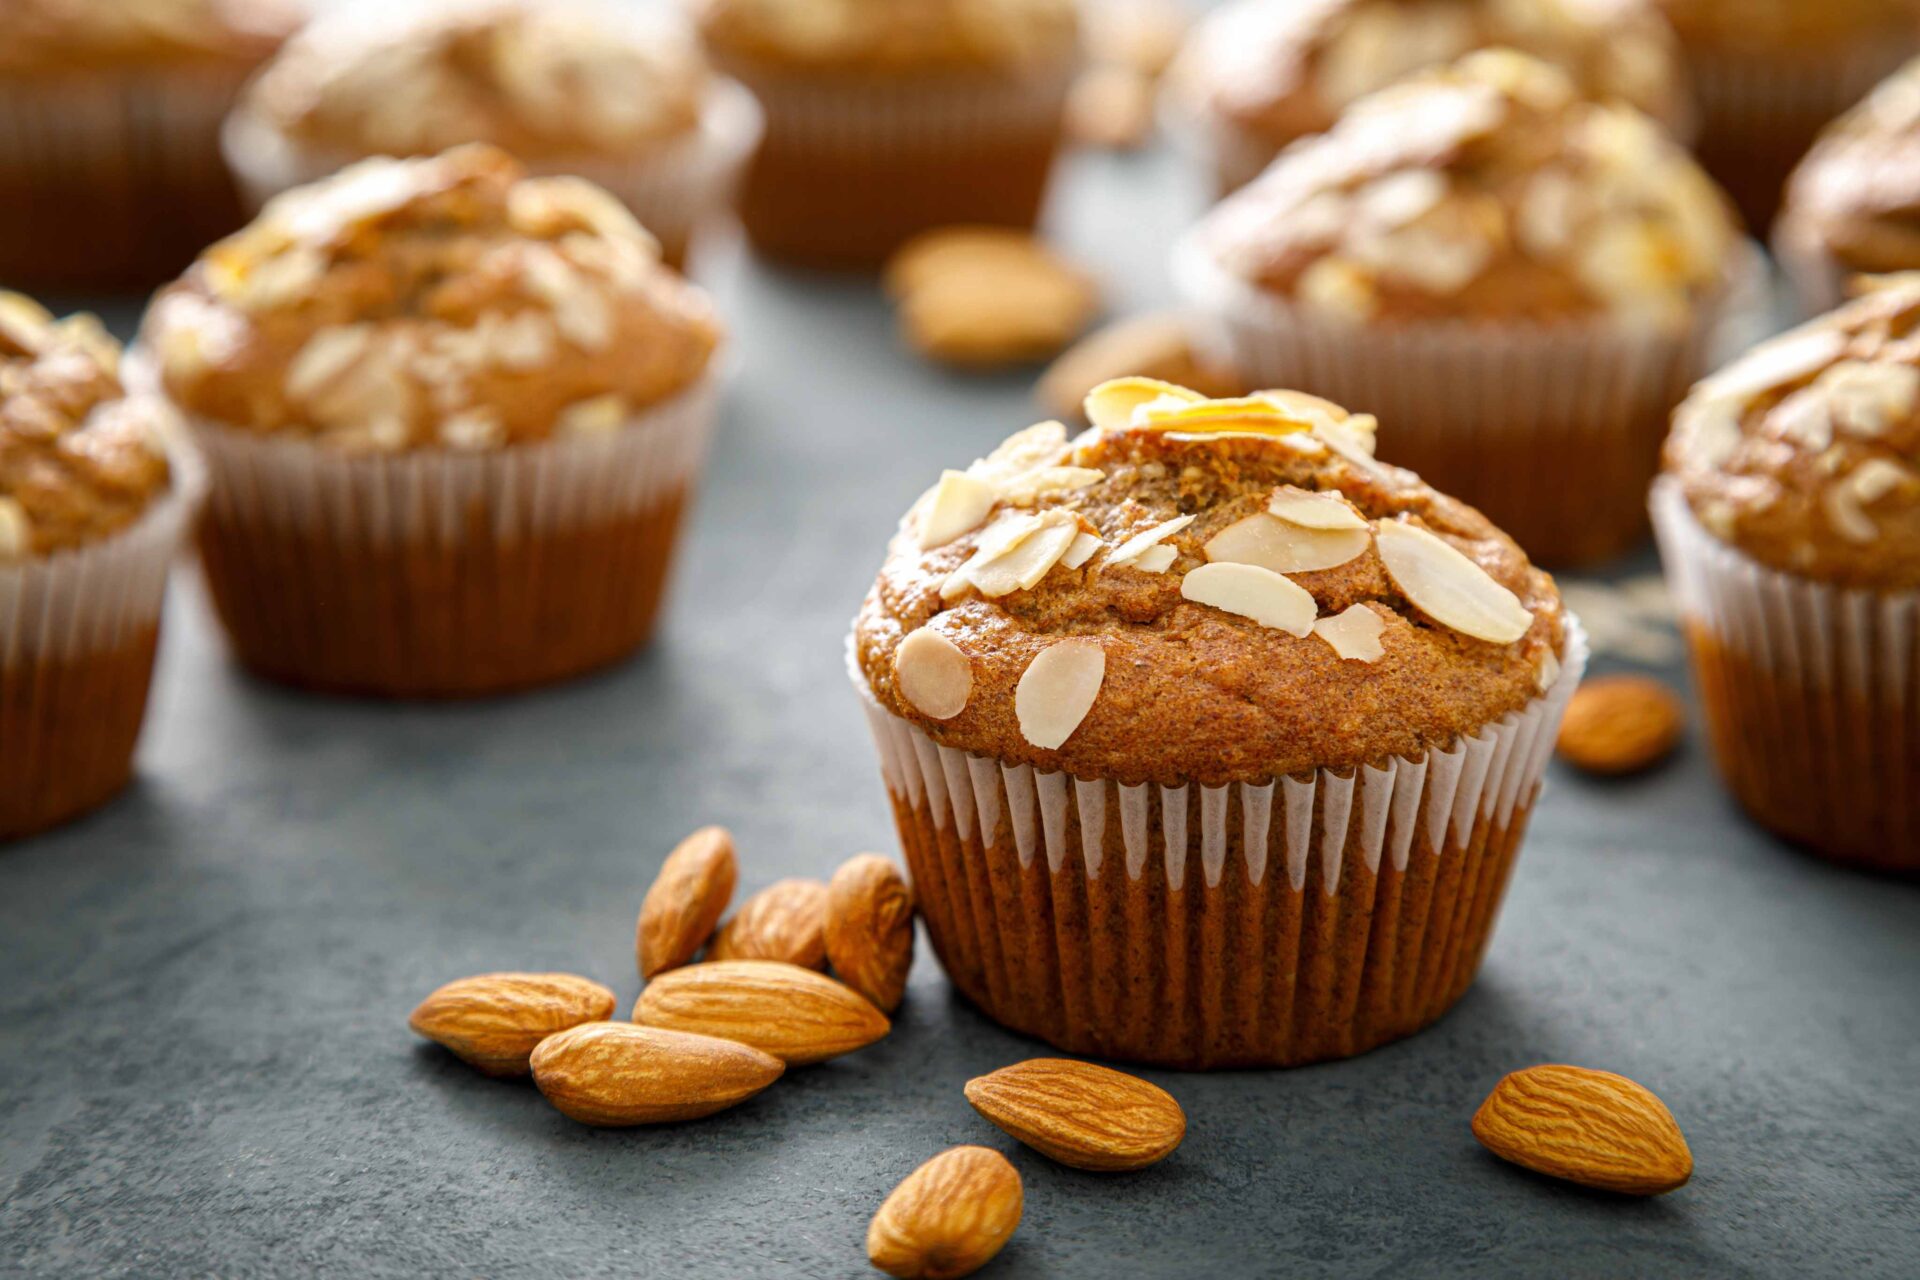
(206, 1068)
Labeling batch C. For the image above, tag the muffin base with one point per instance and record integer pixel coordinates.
(75, 722)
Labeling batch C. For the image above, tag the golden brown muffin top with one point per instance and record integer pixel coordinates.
(66, 35)
(1856, 196)
(1485, 190)
(1281, 71)
(450, 302)
(1805, 452)
(1195, 590)
(537, 77)
(1786, 25)
(79, 460)
(890, 36)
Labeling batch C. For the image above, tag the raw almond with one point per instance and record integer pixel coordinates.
(985, 297)
(1086, 1116)
(686, 901)
(1590, 1127)
(614, 1073)
(949, 1217)
(785, 921)
(870, 928)
(795, 1014)
(1152, 345)
(493, 1021)
(1621, 724)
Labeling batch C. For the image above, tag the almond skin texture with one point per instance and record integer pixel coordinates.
(686, 901)
(614, 1074)
(1621, 724)
(785, 921)
(1590, 1127)
(870, 928)
(949, 1218)
(1082, 1115)
(492, 1022)
(795, 1014)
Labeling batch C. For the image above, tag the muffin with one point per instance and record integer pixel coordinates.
(1523, 282)
(91, 514)
(1211, 740)
(1257, 75)
(1789, 521)
(613, 94)
(1853, 205)
(885, 119)
(1767, 74)
(110, 170)
(452, 415)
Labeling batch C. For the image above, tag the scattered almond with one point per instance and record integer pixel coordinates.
(1353, 633)
(493, 1021)
(1286, 547)
(1590, 1127)
(614, 1073)
(686, 901)
(785, 921)
(1252, 592)
(1621, 724)
(795, 1014)
(949, 1217)
(934, 675)
(1086, 1116)
(987, 297)
(1154, 345)
(870, 928)
(1440, 581)
(1057, 690)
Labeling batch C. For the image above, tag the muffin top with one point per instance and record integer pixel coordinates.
(446, 302)
(537, 77)
(1202, 590)
(1856, 196)
(1482, 190)
(1785, 25)
(1805, 452)
(890, 36)
(1281, 71)
(65, 35)
(79, 459)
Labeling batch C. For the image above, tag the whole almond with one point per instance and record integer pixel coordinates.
(1086, 1116)
(614, 1073)
(1621, 724)
(1590, 1127)
(948, 1218)
(870, 928)
(795, 1014)
(686, 901)
(785, 921)
(493, 1021)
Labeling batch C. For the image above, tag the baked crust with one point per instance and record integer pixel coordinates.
(1855, 199)
(51, 37)
(889, 37)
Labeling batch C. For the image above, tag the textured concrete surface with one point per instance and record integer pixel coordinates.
(206, 1068)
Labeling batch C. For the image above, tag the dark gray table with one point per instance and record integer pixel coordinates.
(205, 1068)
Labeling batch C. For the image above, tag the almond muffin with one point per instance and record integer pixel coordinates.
(1522, 281)
(91, 514)
(1768, 74)
(110, 170)
(1789, 520)
(1257, 75)
(621, 96)
(1211, 740)
(885, 119)
(452, 414)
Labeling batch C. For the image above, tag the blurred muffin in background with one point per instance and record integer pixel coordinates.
(1789, 521)
(1258, 74)
(885, 119)
(1522, 282)
(91, 515)
(614, 94)
(1767, 74)
(452, 415)
(110, 110)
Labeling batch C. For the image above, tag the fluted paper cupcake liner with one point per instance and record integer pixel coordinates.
(443, 574)
(1199, 927)
(1811, 692)
(674, 190)
(1553, 430)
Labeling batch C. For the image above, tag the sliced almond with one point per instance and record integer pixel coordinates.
(959, 505)
(1353, 633)
(870, 928)
(492, 1022)
(1131, 549)
(795, 1014)
(1037, 446)
(785, 921)
(686, 901)
(1030, 560)
(1245, 415)
(1284, 547)
(1156, 559)
(1252, 592)
(1081, 551)
(615, 1074)
(1448, 587)
(1084, 1116)
(1030, 486)
(1057, 690)
(1312, 510)
(1111, 405)
(934, 675)
(1008, 530)
(1590, 1127)
(948, 1218)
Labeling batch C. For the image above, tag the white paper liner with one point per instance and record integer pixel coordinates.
(673, 189)
(919, 115)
